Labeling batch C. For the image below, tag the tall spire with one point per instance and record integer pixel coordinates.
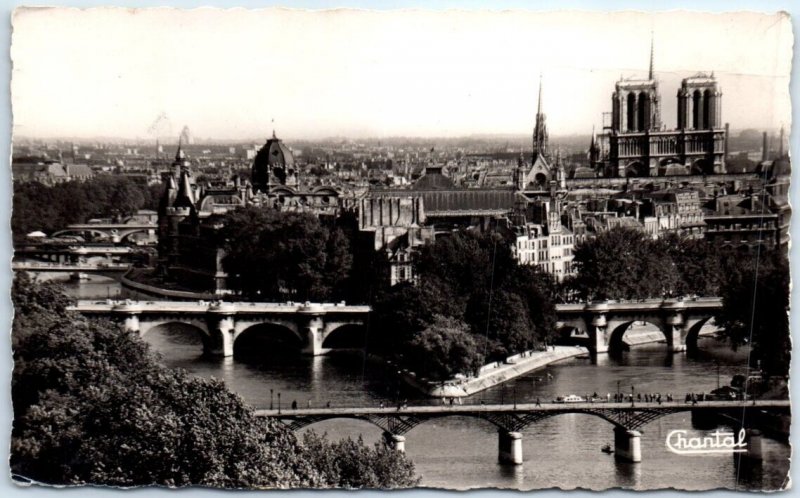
(540, 129)
(539, 104)
(650, 75)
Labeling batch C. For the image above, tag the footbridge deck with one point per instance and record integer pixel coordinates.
(626, 417)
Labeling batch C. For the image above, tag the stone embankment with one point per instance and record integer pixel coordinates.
(494, 373)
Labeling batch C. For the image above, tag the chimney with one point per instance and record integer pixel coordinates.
(765, 147)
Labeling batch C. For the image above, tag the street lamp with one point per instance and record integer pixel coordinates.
(279, 403)
(515, 395)
(270, 399)
(631, 395)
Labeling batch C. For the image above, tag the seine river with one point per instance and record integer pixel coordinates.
(460, 452)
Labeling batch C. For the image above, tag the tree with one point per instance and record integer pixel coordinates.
(274, 255)
(445, 348)
(623, 263)
(352, 464)
(406, 309)
(697, 262)
(755, 299)
(93, 405)
(466, 260)
(504, 320)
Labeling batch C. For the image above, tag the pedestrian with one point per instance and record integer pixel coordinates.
(309, 404)
(538, 403)
(381, 404)
(328, 405)
(294, 405)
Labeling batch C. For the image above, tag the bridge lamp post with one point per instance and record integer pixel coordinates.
(279, 403)
(270, 399)
(515, 395)
(632, 396)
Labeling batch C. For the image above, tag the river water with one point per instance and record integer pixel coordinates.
(461, 452)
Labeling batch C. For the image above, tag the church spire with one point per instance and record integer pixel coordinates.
(179, 155)
(540, 129)
(650, 75)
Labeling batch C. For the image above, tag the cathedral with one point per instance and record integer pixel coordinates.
(637, 144)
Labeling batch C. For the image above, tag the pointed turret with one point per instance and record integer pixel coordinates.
(650, 74)
(168, 197)
(185, 196)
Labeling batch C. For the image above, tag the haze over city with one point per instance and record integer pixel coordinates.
(238, 74)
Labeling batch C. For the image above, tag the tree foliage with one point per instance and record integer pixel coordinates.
(93, 405)
(623, 263)
(50, 208)
(471, 278)
(274, 255)
(755, 296)
(445, 348)
(352, 464)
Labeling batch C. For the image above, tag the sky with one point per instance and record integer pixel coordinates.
(237, 74)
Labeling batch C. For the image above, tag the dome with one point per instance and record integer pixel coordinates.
(273, 159)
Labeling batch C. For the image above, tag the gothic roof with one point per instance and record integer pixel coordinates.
(433, 179)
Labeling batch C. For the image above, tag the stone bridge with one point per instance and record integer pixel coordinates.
(221, 324)
(116, 232)
(601, 325)
(111, 270)
(627, 418)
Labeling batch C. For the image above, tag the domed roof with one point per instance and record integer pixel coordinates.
(274, 155)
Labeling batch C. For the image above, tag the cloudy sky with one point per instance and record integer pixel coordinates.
(228, 74)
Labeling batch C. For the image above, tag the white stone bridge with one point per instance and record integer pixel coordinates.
(311, 326)
(600, 326)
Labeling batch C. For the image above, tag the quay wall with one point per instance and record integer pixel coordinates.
(494, 373)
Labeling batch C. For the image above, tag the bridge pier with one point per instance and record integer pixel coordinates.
(395, 441)
(755, 446)
(509, 447)
(627, 445)
(131, 323)
(221, 341)
(314, 337)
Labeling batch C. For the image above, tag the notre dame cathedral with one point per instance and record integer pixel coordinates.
(636, 142)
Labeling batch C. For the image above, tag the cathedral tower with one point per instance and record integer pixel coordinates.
(540, 128)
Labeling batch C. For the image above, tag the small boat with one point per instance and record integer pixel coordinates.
(77, 276)
(607, 449)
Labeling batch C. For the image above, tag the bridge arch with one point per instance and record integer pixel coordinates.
(198, 327)
(147, 326)
(693, 332)
(344, 335)
(618, 328)
(265, 337)
(82, 231)
(124, 235)
(573, 334)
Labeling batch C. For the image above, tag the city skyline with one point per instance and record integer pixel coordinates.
(442, 79)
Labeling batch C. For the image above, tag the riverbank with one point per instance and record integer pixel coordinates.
(494, 373)
(132, 280)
